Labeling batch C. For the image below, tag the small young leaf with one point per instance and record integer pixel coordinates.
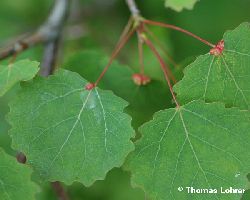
(23, 70)
(15, 179)
(179, 5)
(69, 133)
(198, 145)
(224, 78)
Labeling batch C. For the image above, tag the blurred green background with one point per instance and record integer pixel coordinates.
(97, 25)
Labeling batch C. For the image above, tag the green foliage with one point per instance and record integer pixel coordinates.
(179, 5)
(69, 133)
(115, 186)
(40, 123)
(143, 100)
(15, 179)
(223, 78)
(5, 140)
(11, 74)
(200, 145)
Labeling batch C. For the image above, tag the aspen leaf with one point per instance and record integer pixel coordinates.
(69, 133)
(199, 145)
(224, 78)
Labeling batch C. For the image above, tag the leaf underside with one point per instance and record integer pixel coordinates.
(11, 74)
(69, 133)
(200, 145)
(15, 180)
(179, 5)
(224, 78)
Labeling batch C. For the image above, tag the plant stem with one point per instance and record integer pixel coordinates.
(163, 67)
(115, 53)
(49, 33)
(178, 29)
(49, 57)
(46, 33)
(156, 40)
(171, 76)
(133, 8)
(125, 30)
(52, 30)
(21, 45)
(140, 52)
(59, 190)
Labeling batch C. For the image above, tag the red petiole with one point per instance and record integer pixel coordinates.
(178, 29)
(156, 40)
(140, 29)
(164, 69)
(115, 53)
(140, 51)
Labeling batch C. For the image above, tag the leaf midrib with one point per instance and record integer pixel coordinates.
(72, 129)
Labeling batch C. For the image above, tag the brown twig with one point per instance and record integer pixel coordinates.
(52, 30)
(21, 45)
(49, 57)
(49, 34)
(46, 33)
(59, 190)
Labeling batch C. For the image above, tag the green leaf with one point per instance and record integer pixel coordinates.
(199, 145)
(223, 78)
(144, 101)
(69, 133)
(11, 74)
(179, 5)
(15, 179)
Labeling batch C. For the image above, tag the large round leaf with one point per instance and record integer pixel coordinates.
(204, 146)
(69, 133)
(224, 78)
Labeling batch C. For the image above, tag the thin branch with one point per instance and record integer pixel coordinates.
(49, 57)
(164, 69)
(59, 190)
(157, 41)
(47, 32)
(117, 50)
(140, 52)
(21, 45)
(133, 8)
(150, 22)
(51, 31)
(53, 26)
